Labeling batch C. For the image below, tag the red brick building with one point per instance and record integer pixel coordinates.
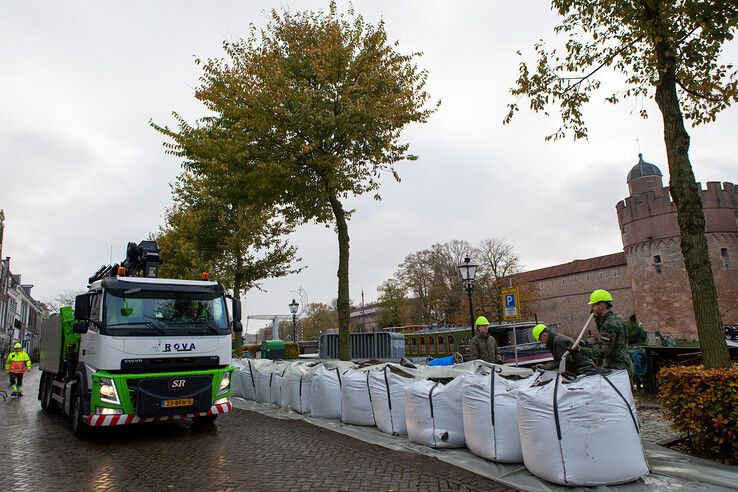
(648, 280)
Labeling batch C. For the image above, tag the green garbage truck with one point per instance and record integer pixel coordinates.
(137, 348)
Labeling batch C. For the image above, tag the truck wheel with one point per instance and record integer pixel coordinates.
(79, 428)
(48, 404)
(41, 387)
(42, 390)
(204, 421)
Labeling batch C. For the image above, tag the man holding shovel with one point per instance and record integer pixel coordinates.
(612, 347)
(560, 347)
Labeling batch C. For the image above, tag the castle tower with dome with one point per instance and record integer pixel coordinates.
(648, 225)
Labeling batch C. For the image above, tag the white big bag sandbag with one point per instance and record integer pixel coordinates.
(268, 381)
(325, 394)
(387, 389)
(356, 402)
(583, 432)
(434, 414)
(285, 386)
(299, 379)
(248, 379)
(275, 386)
(236, 380)
(490, 405)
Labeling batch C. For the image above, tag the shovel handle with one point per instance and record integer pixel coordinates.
(562, 365)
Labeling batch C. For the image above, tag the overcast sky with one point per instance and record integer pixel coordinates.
(81, 170)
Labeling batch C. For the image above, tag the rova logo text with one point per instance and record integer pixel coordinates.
(179, 347)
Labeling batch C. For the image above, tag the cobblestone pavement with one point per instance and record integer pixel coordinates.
(655, 424)
(243, 451)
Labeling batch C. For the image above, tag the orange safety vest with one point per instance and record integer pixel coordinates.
(17, 366)
(17, 363)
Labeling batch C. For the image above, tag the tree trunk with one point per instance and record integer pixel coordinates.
(342, 305)
(237, 282)
(691, 218)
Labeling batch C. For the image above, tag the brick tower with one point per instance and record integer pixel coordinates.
(650, 233)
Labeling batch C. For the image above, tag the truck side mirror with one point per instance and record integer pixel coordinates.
(82, 307)
(237, 327)
(80, 327)
(236, 308)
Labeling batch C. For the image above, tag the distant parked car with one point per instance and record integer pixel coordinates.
(731, 332)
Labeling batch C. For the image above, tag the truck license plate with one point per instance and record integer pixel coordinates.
(184, 402)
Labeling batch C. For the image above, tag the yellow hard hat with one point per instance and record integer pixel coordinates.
(600, 295)
(481, 321)
(17, 345)
(537, 330)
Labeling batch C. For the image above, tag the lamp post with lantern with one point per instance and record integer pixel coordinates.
(293, 309)
(468, 270)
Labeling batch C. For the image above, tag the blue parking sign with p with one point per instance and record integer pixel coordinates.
(510, 304)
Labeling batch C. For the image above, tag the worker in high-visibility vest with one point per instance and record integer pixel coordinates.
(16, 364)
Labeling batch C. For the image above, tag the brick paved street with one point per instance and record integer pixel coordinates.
(244, 451)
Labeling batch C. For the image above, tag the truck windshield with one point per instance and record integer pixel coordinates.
(144, 313)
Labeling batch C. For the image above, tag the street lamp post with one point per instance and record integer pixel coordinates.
(293, 309)
(468, 270)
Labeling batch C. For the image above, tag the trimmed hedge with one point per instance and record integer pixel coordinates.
(291, 350)
(703, 403)
(251, 348)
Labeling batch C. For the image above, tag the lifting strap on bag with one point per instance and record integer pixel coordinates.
(433, 420)
(492, 396)
(251, 373)
(556, 407)
(635, 422)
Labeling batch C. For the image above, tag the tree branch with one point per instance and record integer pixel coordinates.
(709, 97)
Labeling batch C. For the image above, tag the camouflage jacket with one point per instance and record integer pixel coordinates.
(612, 347)
(576, 363)
(484, 347)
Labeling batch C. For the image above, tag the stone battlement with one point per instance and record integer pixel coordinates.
(652, 214)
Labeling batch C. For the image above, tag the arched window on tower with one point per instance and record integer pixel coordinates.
(657, 263)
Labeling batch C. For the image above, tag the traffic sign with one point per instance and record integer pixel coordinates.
(510, 304)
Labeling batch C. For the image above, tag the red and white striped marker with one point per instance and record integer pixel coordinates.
(95, 420)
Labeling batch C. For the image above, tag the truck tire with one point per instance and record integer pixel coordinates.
(79, 428)
(204, 421)
(48, 404)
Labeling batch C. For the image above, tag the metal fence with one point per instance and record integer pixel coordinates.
(389, 346)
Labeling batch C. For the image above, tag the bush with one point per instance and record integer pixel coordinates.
(251, 348)
(704, 404)
(636, 334)
(291, 350)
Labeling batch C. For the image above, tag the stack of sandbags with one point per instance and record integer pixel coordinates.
(434, 414)
(269, 381)
(387, 390)
(325, 394)
(244, 377)
(356, 401)
(581, 432)
(297, 384)
(490, 406)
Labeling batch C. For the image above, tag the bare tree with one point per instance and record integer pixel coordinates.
(64, 298)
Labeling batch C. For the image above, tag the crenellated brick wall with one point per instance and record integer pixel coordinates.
(650, 233)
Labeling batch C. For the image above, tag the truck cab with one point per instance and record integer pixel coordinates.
(140, 349)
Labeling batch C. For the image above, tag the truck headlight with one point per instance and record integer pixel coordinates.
(108, 392)
(225, 383)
